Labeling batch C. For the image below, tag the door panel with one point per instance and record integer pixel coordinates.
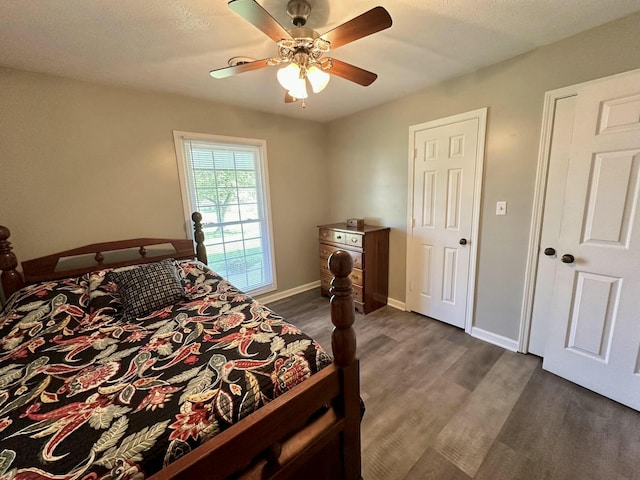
(609, 199)
(594, 306)
(594, 336)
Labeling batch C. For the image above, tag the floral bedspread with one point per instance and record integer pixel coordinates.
(86, 395)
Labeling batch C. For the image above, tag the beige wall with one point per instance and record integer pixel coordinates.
(369, 154)
(82, 163)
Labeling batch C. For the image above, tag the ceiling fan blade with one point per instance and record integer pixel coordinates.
(253, 12)
(351, 72)
(289, 99)
(369, 22)
(240, 68)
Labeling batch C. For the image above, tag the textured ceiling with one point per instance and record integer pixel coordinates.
(171, 45)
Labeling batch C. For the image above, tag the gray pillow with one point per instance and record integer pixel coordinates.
(148, 288)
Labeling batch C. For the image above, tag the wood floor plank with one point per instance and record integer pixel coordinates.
(588, 443)
(467, 438)
(433, 466)
(532, 427)
(471, 369)
(628, 429)
(385, 377)
(556, 422)
(503, 462)
(388, 384)
(418, 413)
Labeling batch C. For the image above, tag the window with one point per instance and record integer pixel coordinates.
(225, 179)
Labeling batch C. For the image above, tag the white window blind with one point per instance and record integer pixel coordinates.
(225, 181)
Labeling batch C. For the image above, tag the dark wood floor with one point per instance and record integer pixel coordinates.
(443, 405)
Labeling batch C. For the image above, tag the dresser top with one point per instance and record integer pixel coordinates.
(343, 228)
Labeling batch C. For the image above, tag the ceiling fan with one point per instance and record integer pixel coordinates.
(303, 50)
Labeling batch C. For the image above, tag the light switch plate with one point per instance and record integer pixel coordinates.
(501, 207)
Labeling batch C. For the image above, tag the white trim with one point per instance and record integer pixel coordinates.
(392, 302)
(182, 176)
(261, 145)
(495, 339)
(548, 113)
(288, 293)
(481, 115)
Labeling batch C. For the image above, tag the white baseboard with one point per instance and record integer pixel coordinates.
(392, 302)
(287, 293)
(494, 338)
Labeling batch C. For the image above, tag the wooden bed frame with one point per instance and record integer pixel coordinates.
(310, 432)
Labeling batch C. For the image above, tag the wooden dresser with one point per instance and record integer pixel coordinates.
(369, 248)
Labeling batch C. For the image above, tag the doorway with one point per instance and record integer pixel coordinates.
(584, 255)
(445, 183)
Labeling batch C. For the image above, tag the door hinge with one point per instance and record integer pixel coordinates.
(413, 223)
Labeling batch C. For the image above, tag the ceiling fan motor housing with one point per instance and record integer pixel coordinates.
(304, 33)
(299, 11)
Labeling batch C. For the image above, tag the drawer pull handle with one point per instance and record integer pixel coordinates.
(354, 240)
(338, 237)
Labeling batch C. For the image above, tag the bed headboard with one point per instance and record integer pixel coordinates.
(78, 261)
(10, 278)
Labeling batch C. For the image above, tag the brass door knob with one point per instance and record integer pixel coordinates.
(568, 258)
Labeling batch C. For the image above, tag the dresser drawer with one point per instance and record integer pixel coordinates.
(325, 281)
(333, 236)
(354, 239)
(357, 259)
(327, 250)
(356, 277)
(324, 267)
(357, 293)
(339, 237)
(326, 234)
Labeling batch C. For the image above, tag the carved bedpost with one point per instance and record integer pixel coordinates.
(343, 343)
(343, 338)
(11, 279)
(198, 236)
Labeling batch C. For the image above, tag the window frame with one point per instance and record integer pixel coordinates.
(262, 184)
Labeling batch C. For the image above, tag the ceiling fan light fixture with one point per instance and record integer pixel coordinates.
(289, 77)
(317, 78)
(299, 90)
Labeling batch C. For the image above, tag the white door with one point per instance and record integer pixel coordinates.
(564, 109)
(594, 332)
(444, 177)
